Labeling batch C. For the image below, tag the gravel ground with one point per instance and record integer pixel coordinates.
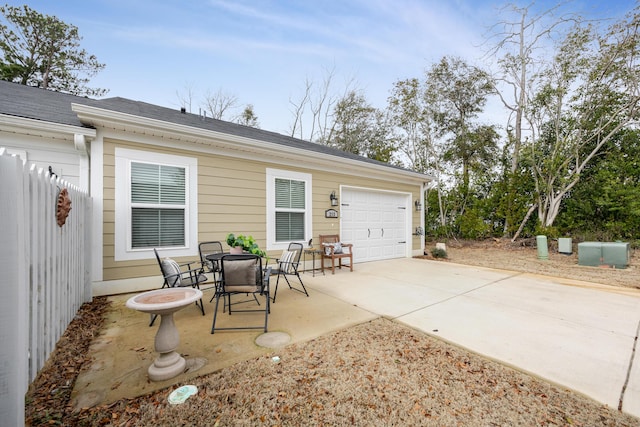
(377, 373)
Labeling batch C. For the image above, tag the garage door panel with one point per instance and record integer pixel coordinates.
(377, 222)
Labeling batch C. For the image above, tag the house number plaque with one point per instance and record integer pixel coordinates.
(331, 213)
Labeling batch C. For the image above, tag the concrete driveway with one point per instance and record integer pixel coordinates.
(579, 335)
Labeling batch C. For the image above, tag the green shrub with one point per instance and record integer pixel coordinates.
(438, 253)
(550, 232)
(473, 226)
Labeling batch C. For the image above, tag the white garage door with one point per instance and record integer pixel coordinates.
(376, 223)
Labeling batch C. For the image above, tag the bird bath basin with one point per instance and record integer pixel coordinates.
(165, 302)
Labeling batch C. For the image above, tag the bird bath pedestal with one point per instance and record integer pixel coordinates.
(165, 302)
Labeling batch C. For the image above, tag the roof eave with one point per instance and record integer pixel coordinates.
(99, 117)
(30, 126)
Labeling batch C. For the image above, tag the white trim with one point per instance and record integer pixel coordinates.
(134, 284)
(123, 158)
(272, 174)
(96, 173)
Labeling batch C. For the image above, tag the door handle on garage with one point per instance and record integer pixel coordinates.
(368, 232)
(382, 232)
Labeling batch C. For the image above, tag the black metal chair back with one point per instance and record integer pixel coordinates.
(288, 265)
(242, 274)
(175, 276)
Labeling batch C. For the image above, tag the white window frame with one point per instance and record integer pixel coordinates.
(122, 239)
(272, 174)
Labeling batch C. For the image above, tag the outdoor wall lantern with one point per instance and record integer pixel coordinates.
(333, 198)
(418, 205)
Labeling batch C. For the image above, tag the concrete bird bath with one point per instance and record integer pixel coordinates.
(165, 302)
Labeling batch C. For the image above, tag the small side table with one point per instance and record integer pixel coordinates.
(313, 252)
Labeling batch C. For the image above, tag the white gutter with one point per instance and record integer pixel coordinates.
(46, 127)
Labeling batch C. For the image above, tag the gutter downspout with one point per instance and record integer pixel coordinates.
(80, 144)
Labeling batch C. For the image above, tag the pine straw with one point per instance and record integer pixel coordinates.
(49, 395)
(377, 373)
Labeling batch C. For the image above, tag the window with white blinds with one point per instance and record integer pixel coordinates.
(289, 208)
(158, 207)
(156, 204)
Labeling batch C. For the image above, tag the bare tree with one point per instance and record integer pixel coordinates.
(320, 100)
(321, 106)
(522, 43)
(299, 109)
(186, 97)
(518, 41)
(220, 103)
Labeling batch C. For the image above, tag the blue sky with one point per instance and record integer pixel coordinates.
(263, 51)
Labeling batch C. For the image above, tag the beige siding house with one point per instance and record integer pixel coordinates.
(150, 169)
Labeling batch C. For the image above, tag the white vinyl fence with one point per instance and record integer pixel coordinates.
(44, 274)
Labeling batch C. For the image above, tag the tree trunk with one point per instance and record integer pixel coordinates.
(443, 222)
(524, 221)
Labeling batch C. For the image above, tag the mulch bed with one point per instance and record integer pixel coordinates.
(48, 397)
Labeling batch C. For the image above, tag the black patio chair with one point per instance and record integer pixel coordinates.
(175, 275)
(209, 265)
(242, 274)
(210, 248)
(287, 267)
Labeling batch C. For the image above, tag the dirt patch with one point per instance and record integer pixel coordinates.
(523, 256)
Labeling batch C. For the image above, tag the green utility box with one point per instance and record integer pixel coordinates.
(565, 245)
(612, 254)
(616, 254)
(590, 253)
(543, 248)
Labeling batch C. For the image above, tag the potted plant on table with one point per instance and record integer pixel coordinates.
(241, 243)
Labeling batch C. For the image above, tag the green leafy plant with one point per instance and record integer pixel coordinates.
(248, 244)
(438, 253)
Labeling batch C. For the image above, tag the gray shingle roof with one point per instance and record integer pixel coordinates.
(39, 104)
(48, 106)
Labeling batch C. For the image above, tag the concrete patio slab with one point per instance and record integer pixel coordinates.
(125, 348)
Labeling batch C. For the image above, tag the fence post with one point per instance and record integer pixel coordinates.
(14, 302)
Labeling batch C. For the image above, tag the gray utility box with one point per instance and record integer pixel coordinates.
(612, 254)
